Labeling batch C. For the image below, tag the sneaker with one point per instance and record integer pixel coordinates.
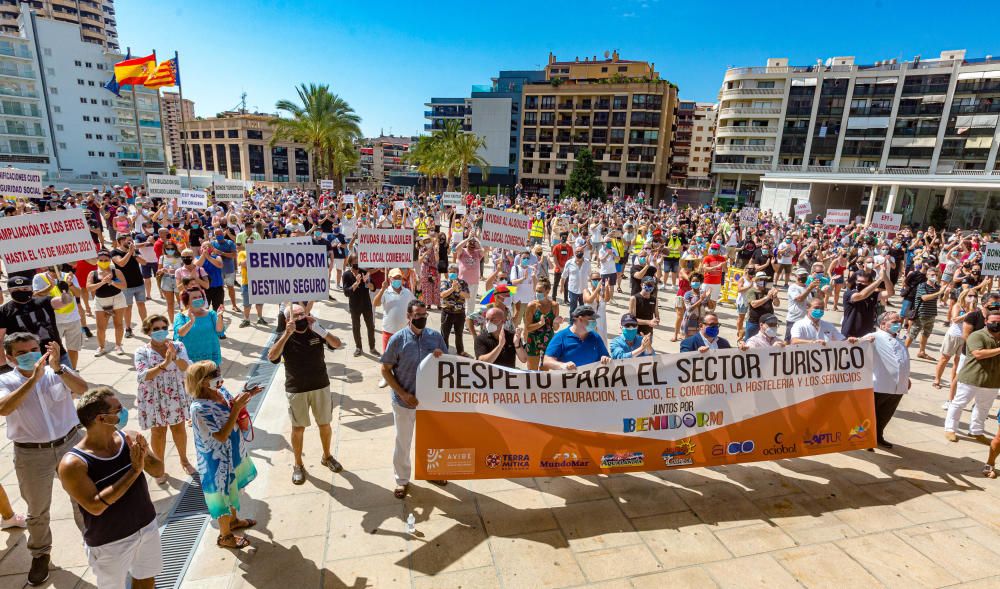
(86, 332)
(331, 463)
(15, 521)
(119, 350)
(261, 321)
(358, 352)
(382, 384)
(39, 572)
(946, 404)
(101, 352)
(298, 475)
(245, 323)
(951, 436)
(128, 332)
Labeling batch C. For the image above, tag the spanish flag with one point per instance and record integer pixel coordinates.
(135, 70)
(165, 75)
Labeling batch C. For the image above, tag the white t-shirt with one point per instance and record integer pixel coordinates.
(797, 310)
(40, 282)
(785, 253)
(394, 308)
(805, 329)
(607, 258)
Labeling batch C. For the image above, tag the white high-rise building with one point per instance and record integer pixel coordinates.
(25, 132)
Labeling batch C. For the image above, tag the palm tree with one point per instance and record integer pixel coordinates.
(326, 124)
(447, 152)
(465, 152)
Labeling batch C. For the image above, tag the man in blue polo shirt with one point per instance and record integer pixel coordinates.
(577, 345)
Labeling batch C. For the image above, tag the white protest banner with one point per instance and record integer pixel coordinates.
(15, 183)
(451, 198)
(888, 222)
(45, 239)
(505, 230)
(192, 199)
(748, 216)
(348, 227)
(460, 210)
(398, 205)
(837, 217)
(991, 259)
(381, 248)
(300, 240)
(347, 199)
(163, 186)
(283, 272)
(476, 420)
(326, 184)
(803, 208)
(230, 190)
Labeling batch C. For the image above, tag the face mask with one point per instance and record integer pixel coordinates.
(869, 266)
(594, 282)
(647, 289)
(452, 275)
(188, 260)
(170, 252)
(695, 285)
(524, 263)
(630, 332)
(993, 326)
(592, 325)
(21, 296)
(770, 331)
(159, 335)
(397, 284)
(28, 360)
(579, 257)
(816, 313)
(642, 260)
(895, 327)
(216, 383)
(492, 327)
(761, 284)
(197, 303)
(194, 225)
(539, 296)
(122, 418)
(712, 330)
(419, 322)
(104, 265)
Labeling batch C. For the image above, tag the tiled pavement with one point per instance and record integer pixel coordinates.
(918, 516)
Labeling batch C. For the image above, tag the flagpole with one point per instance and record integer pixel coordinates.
(138, 136)
(180, 105)
(163, 136)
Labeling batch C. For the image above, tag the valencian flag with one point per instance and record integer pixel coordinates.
(165, 75)
(135, 70)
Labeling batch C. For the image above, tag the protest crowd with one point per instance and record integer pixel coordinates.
(517, 281)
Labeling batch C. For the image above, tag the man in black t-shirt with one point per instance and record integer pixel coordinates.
(30, 314)
(302, 343)
(497, 345)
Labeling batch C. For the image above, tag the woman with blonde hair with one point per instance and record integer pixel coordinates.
(953, 342)
(223, 463)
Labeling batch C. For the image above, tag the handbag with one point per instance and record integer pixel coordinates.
(245, 423)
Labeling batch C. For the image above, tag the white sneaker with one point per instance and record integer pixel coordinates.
(946, 404)
(382, 384)
(16, 521)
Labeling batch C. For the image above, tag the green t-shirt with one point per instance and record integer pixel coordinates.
(981, 373)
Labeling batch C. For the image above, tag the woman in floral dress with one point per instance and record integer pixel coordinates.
(160, 400)
(430, 280)
(223, 463)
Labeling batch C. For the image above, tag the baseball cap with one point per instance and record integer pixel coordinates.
(649, 280)
(769, 319)
(501, 289)
(395, 272)
(715, 246)
(629, 319)
(583, 310)
(801, 272)
(18, 282)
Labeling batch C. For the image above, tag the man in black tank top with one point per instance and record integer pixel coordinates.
(103, 474)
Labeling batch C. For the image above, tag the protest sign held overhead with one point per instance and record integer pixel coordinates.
(382, 248)
(505, 230)
(163, 186)
(451, 198)
(326, 184)
(803, 208)
(45, 239)
(837, 217)
(748, 216)
(991, 260)
(232, 190)
(286, 272)
(192, 199)
(477, 420)
(15, 183)
(887, 222)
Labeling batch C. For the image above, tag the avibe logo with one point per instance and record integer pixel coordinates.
(448, 461)
(508, 461)
(779, 448)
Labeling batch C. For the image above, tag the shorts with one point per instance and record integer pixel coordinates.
(786, 267)
(216, 296)
(619, 268)
(671, 265)
(679, 303)
(72, 335)
(952, 345)
(168, 283)
(149, 270)
(229, 279)
(713, 290)
(135, 294)
(925, 324)
(245, 293)
(472, 303)
(319, 401)
(611, 279)
(742, 309)
(138, 555)
(109, 304)
(838, 279)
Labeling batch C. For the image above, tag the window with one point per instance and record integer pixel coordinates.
(255, 134)
(59, 127)
(219, 134)
(86, 118)
(548, 102)
(604, 70)
(106, 120)
(47, 52)
(93, 101)
(99, 136)
(88, 136)
(62, 145)
(195, 134)
(623, 68)
(620, 103)
(90, 153)
(77, 63)
(100, 66)
(57, 109)
(54, 90)
(88, 64)
(90, 82)
(83, 100)
(50, 71)
(233, 133)
(100, 154)
(105, 103)
(763, 84)
(79, 81)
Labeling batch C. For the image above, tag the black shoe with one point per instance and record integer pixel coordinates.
(128, 332)
(884, 444)
(86, 332)
(358, 352)
(331, 463)
(261, 321)
(39, 572)
(245, 323)
(223, 336)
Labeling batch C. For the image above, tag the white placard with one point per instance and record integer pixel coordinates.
(347, 199)
(802, 209)
(192, 199)
(505, 230)
(398, 205)
(230, 190)
(45, 239)
(282, 272)
(991, 260)
(15, 183)
(887, 222)
(163, 186)
(385, 248)
(300, 240)
(348, 227)
(451, 198)
(837, 217)
(748, 216)
(326, 184)
(461, 210)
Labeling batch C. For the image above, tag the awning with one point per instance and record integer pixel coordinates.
(934, 98)
(868, 123)
(914, 141)
(803, 81)
(978, 142)
(989, 121)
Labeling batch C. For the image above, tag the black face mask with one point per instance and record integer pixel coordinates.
(993, 326)
(187, 259)
(21, 296)
(301, 324)
(419, 322)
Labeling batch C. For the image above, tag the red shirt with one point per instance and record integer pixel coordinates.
(562, 252)
(713, 277)
(158, 248)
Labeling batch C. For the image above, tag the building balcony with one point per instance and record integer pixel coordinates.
(734, 93)
(19, 132)
(871, 111)
(717, 167)
(18, 109)
(746, 110)
(19, 52)
(733, 131)
(25, 73)
(736, 149)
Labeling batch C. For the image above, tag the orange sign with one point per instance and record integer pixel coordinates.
(477, 420)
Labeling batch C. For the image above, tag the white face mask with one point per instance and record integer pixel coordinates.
(216, 383)
(771, 332)
(492, 327)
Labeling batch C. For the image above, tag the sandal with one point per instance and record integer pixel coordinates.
(241, 524)
(400, 491)
(936, 385)
(989, 472)
(188, 468)
(232, 541)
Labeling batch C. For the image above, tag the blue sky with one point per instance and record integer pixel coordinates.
(388, 58)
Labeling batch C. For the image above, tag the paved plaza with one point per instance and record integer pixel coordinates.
(920, 515)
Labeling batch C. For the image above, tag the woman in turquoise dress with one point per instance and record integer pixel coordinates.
(199, 327)
(223, 463)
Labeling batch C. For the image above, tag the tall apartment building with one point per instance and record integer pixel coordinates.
(381, 164)
(95, 18)
(237, 145)
(903, 137)
(25, 133)
(699, 166)
(620, 109)
(171, 107)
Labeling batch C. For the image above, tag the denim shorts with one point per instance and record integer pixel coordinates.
(245, 293)
(149, 270)
(135, 294)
